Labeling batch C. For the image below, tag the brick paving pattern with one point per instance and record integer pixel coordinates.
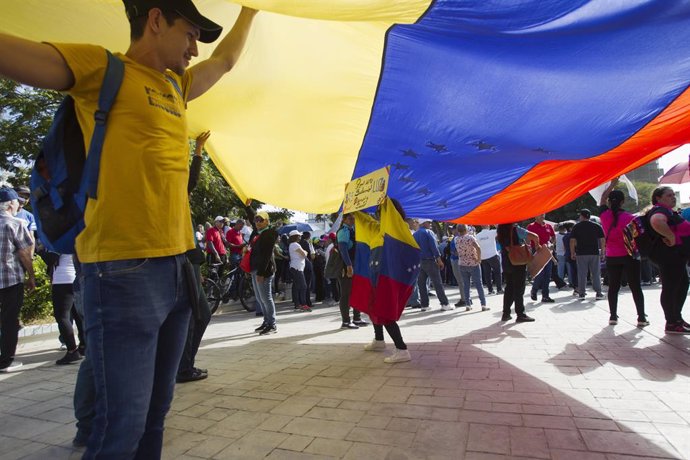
(565, 387)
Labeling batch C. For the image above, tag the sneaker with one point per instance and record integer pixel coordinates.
(642, 322)
(203, 371)
(423, 308)
(360, 323)
(524, 319)
(70, 358)
(600, 296)
(547, 300)
(375, 345)
(575, 293)
(506, 317)
(677, 328)
(460, 303)
(415, 306)
(193, 376)
(348, 326)
(582, 296)
(272, 329)
(533, 296)
(400, 356)
(491, 292)
(305, 308)
(11, 366)
(500, 291)
(485, 308)
(447, 307)
(468, 308)
(260, 328)
(613, 321)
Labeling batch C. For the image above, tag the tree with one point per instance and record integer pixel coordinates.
(25, 116)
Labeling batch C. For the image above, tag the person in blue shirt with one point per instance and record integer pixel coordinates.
(432, 263)
(24, 193)
(346, 247)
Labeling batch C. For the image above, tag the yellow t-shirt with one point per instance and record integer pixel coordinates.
(142, 208)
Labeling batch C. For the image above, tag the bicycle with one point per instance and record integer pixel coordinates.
(235, 284)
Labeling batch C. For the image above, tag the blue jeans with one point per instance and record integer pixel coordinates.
(299, 288)
(474, 273)
(430, 270)
(264, 297)
(84, 388)
(541, 281)
(137, 316)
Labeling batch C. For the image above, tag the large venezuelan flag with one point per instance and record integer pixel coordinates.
(487, 110)
(387, 261)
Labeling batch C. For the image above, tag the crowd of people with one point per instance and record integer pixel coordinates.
(134, 281)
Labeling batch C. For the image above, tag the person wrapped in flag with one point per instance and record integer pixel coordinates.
(387, 263)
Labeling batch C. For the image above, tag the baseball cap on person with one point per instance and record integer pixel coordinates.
(209, 31)
(7, 194)
(585, 213)
(219, 219)
(264, 215)
(295, 233)
(22, 190)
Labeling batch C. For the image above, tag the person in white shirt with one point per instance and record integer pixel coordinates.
(298, 257)
(491, 262)
(63, 308)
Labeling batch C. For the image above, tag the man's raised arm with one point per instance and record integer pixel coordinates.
(34, 64)
(224, 57)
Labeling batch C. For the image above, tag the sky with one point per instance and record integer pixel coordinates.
(671, 159)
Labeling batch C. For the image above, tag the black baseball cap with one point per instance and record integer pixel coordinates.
(209, 30)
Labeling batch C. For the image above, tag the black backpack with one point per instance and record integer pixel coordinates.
(63, 177)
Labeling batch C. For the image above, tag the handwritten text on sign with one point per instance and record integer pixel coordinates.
(366, 191)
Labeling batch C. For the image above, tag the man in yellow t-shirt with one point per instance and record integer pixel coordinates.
(136, 303)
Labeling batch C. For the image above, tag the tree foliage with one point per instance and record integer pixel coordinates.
(25, 116)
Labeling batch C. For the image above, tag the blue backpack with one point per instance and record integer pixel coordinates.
(63, 177)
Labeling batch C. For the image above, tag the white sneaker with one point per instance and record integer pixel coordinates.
(447, 307)
(375, 345)
(13, 366)
(400, 356)
(468, 308)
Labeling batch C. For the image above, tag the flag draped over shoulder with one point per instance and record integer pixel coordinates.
(387, 261)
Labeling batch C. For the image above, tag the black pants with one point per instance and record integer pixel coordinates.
(63, 307)
(491, 272)
(615, 267)
(515, 287)
(308, 278)
(345, 285)
(11, 301)
(299, 288)
(394, 331)
(674, 289)
(197, 327)
(319, 281)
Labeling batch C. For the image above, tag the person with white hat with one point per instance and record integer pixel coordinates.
(298, 258)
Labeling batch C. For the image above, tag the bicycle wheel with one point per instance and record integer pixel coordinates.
(213, 296)
(247, 293)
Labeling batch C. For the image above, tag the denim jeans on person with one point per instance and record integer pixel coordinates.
(430, 270)
(472, 273)
(541, 281)
(263, 290)
(458, 278)
(591, 263)
(84, 388)
(137, 317)
(299, 288)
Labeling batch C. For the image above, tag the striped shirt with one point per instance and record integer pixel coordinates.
(14, 235)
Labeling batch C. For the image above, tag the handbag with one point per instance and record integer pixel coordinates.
(541, 257)
(518, 254)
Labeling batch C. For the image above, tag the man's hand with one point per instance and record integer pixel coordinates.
(439, 262)
(669, 240)
(30, 283)
(200, 142)
(572, 256)
(349, 272)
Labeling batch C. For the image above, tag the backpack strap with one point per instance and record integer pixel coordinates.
(112, 80)
(175, 85)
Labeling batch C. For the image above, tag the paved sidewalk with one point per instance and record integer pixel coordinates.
(565, 387)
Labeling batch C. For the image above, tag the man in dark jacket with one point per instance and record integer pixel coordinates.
(263, 268)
